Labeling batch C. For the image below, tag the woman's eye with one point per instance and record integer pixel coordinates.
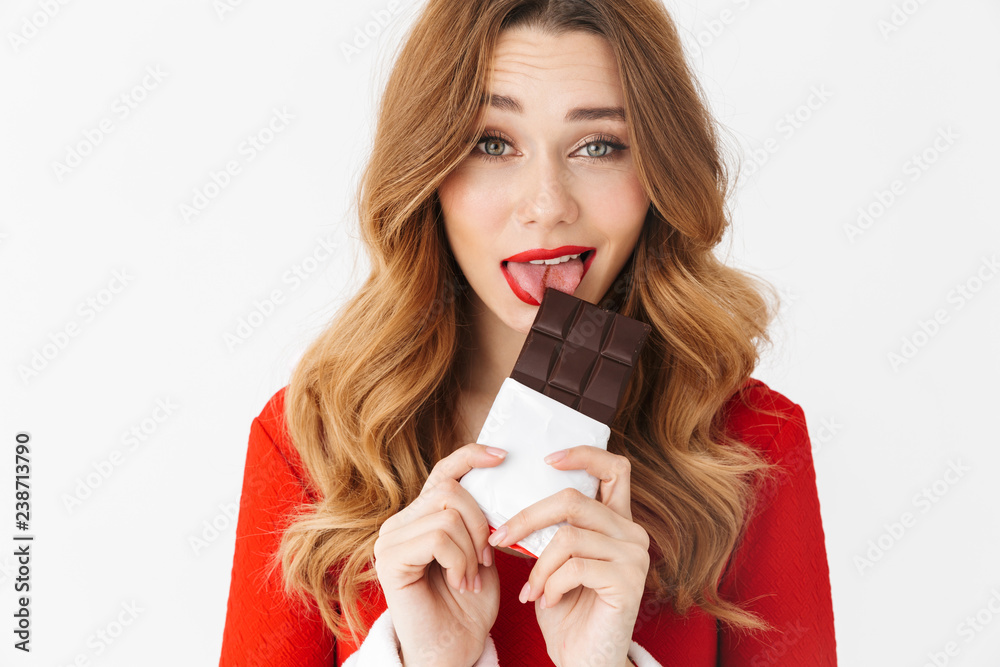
(602, 148)
(494, 147)
(599, 145)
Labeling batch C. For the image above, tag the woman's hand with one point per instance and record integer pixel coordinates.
(591, 575)
(427, 559)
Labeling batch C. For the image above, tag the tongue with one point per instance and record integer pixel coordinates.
(536, 278)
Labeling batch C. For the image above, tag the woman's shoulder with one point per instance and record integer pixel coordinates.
(272, 416)
(764, 418)
(272, 421)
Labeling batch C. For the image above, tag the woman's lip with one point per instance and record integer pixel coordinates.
(542, 253)
(527, 298)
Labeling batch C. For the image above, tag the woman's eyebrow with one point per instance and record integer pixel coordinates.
(512, 105)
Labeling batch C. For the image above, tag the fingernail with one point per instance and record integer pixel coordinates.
(525, 592)
(478, 584)
(555, 456)
(498, 535)
(542, 602)
(499, 453)
(461, 586)
(487, 557)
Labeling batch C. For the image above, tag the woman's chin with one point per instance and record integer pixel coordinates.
(520, 322)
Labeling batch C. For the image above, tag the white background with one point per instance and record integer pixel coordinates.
(882, 432)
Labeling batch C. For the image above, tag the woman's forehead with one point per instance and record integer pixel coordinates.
(573, 74)
(532, 54)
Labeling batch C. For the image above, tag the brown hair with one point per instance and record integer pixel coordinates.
(370, 406)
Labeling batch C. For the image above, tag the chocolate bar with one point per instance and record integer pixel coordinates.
(565, 388)
(580, 354)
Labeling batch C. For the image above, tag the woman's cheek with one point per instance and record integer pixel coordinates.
(484, 204)
(463, 210)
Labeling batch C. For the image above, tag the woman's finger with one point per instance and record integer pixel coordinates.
(614, 583)
(434, 537)
(451, 494)
(450, 468)
(571, 506)
(462, 460)
(572, 542)
(457, 525)
(614, 471)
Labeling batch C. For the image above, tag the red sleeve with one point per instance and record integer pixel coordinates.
(779, 571)
(263, 626)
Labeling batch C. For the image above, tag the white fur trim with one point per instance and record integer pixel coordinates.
(381, 648)
(489, 657)
(641, 656)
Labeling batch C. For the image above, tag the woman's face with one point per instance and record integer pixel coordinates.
(551, 173)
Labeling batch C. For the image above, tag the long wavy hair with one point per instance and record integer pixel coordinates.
(371, 406)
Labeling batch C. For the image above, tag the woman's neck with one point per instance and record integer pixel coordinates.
(491, 353)
(485, 359)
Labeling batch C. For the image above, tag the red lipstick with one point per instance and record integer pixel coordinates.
(543, 253)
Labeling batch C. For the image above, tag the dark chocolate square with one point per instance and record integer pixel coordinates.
(580, 355)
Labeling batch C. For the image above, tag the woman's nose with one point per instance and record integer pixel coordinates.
(547, 193)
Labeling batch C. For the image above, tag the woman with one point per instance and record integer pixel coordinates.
(573, 129)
